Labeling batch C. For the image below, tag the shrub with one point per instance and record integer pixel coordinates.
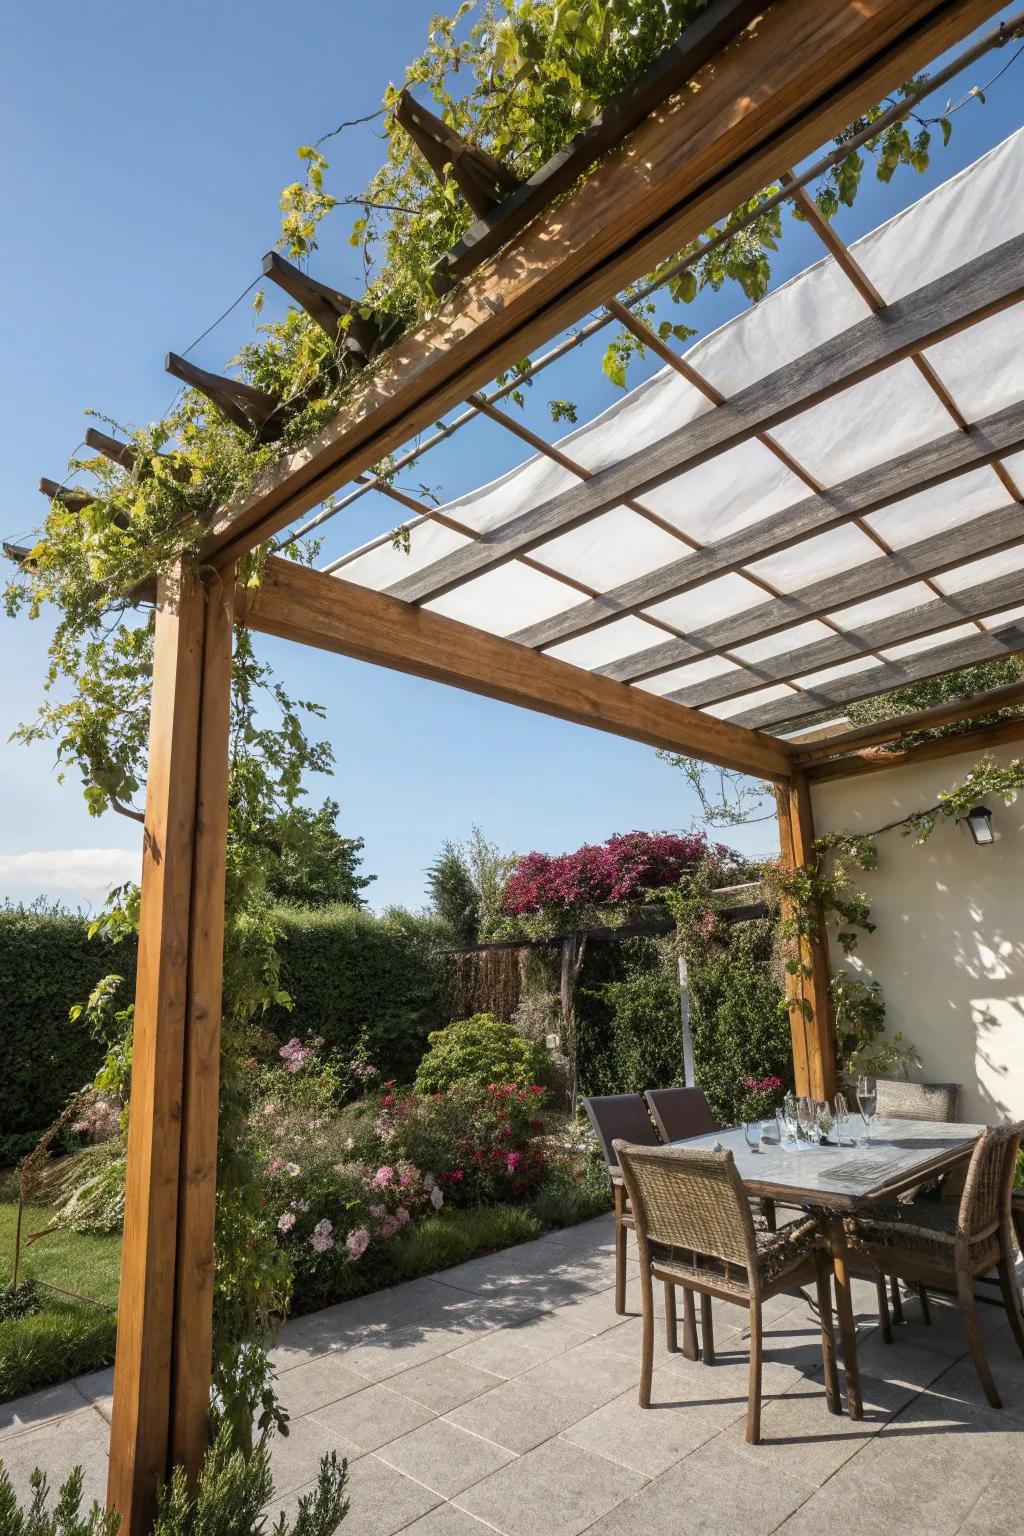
(482, 1148)
(739, 1018)
(475, 1052)
(365, 983)
(61, 1340)
(47, 964)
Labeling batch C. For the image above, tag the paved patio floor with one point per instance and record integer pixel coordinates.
(501, 1396)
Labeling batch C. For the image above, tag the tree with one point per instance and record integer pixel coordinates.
(453, 894)
(315, 865)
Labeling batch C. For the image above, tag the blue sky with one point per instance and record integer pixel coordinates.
(144, 153)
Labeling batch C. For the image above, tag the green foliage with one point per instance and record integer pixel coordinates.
(570, 1194)
(232, 1491)
(316, 866)
(453, 896)
(861, 1042)
(628, 1019)
(738, 1016)
(964, 683)
(65, 1518)
(20, 1301)
(471, 1053)
(47, 964)
(375, 985)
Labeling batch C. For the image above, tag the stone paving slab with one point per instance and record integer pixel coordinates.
(501, 1396)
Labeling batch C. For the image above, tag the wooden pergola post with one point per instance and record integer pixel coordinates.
(162, 1369)
(810, 1004)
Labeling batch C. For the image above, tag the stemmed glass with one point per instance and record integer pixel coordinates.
(842, 1114)
(808, 1120)
(824, 1118)
(789, 1119)
(752, 1132)
(867, 1103)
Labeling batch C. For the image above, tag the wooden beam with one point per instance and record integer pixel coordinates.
(985, 535)
(796, 79)
(921, 469)
(197, 1180)
(139, 1435)
(982, 287)
(253, 410)
(810, 1003)
(988, 645)
(68, 496)
(483, 181)
(334, 312)
(127, 455)
(900, 726)
(982, 601)
(296, 603)
(873, 761)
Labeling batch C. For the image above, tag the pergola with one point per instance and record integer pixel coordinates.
(815, 505)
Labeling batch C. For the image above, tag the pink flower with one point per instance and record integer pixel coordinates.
(276, 1165)
(357, 1242)
(286, 1221)
(428, 1182)
(512, 1161)
(300, 1205)
(322, 1237)
(383, 1177)
(401, 1215)
(389, 1226)
(378, 1212)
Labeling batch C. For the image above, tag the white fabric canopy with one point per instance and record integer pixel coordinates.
(866, 425)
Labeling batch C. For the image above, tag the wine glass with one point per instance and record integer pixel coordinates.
(790, 1116)
(807, 1120)
(787, 1129)
(842, 1116)
(824, 1118)
(867, 1103)
(752, 1132)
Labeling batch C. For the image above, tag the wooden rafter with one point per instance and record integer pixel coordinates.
(797, 78)
(251, 409)
(784, 714)
(921, 469)
(483, 181)
(971, 603)
(988, 534)
(334, 312)
(900, 726)
(296, 603)
(983, 739)
(961, 298)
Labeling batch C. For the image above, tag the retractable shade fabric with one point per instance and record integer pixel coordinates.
(819, 510)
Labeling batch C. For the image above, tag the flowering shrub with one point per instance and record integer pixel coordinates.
(481, 1146)
(474, 1052)
(761, 1095)
(622, 869)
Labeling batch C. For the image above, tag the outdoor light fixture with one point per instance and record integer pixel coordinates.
(979, 825)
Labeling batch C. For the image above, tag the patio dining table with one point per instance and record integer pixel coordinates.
(833, 1181)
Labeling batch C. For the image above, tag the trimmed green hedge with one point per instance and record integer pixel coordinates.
(369, 983)
(47, 964)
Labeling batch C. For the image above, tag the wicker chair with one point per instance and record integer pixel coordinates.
(680, 1113)
(691, 1202)
(898, 1098)
(935, 1243)
(621, 1115)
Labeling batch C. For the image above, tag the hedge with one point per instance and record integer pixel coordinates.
(369, 983)
(629, 1027)
(363, 982)
(47, 963)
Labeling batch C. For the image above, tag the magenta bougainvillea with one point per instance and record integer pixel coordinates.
(620, 870)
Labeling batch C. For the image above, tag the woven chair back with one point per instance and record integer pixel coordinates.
(899, 1099)
(622, 1116)
(988, 1188)
(680, 1112)
(691, 1199)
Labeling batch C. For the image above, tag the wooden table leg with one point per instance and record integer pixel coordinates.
(690, 1349)
(836, 1239)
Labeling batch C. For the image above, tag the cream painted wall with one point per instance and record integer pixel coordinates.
(949, 948)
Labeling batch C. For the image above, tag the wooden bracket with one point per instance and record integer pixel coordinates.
(334, 312)
(127, 455)
(19, 553)
(254, 410)
(68, 496)
(483, 181)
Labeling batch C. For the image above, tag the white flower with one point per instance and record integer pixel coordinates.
(436, 1198)
(293, 1169)
(286, 1221)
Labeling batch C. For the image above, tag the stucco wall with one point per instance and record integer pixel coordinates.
(949, 948)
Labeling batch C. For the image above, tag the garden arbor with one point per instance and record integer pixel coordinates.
(628, 592)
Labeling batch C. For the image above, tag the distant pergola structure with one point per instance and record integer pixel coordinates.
(749, 92)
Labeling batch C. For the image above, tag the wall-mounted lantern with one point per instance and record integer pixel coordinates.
(979, 825)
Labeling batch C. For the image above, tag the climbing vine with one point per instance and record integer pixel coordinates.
(825, 892)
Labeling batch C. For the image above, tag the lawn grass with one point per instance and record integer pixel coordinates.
(66, 1337)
